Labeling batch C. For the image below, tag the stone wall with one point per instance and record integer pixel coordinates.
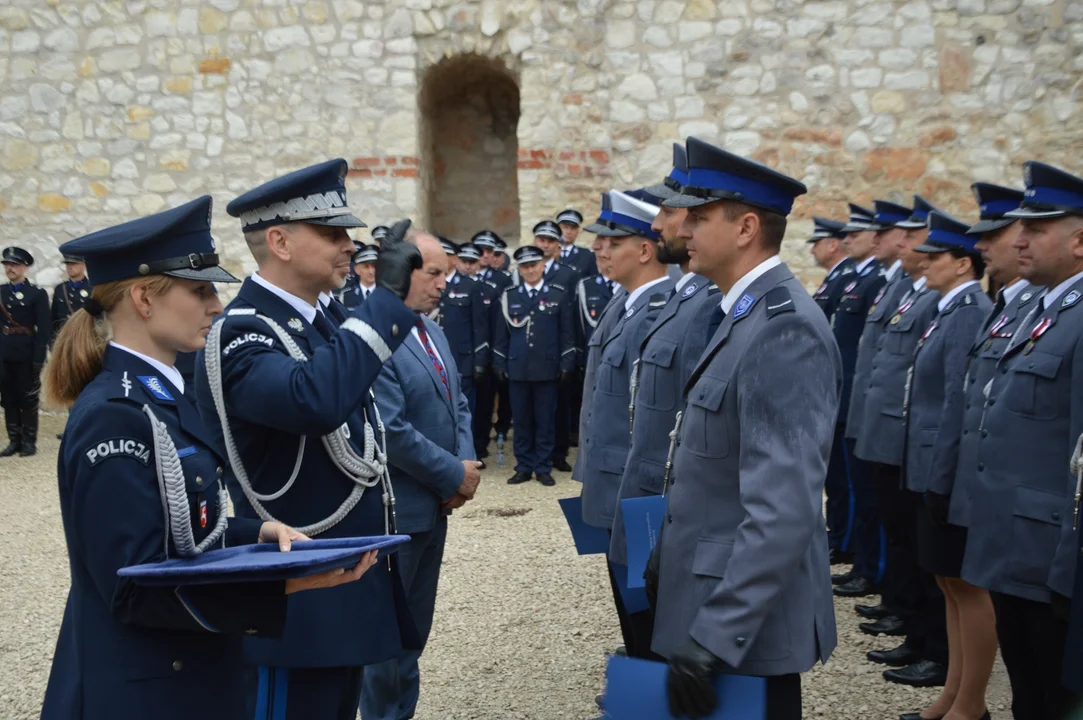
(112, 109)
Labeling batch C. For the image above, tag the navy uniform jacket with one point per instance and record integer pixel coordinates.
(24, 323)
(67, 298)
(937, 398)
(581, 260)
(828, 295)
(592, 294)
(611, 313)
(883, 434)
(465, 317)
(544, 347)
(273, 402)
(492, 285)
(669, 351)
(848, 322)
(350, 293)
(604, 448)
(743, 566)
(1022, 541)
(127, 650)
(428, 431)
(880, 313)
(992, 339)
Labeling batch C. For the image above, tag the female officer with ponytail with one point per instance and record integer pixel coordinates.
(140, 483)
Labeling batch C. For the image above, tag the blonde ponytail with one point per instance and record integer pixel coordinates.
(80, 345)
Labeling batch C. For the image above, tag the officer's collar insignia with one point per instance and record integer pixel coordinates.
(1070, 299)
(296, 324)
(154, 385)
(692, 287)
(847, 270)
(1025, 298)
(126, 384)
(631, 312)
(743, 306)
(868, 269)
(186, 451)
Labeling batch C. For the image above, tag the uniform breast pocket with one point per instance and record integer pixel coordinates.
(1032, 389)
(897, 337)
(657, 380)
(612, 379)
(705, 431)
(1036, 532)
(201, 476)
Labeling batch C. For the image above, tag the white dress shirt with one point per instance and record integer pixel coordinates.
(891, 271)
(864, 263)
(1051, 296)
(739, 287)
(308, 312)
(638, 292)
(683, 281)
(172, 374)
(952, 294)
(417, 336)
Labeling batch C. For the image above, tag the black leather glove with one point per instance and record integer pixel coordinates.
(690, 681)
(397, 260)
(501, 375)
(650, 573)
(479, 373)
(937, 506)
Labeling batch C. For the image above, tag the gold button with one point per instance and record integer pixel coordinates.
(199, 481)
(178, 665)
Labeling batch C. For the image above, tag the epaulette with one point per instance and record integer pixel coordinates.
(490, 283)
(241, 311)
(847, 270)
(713, 290)
(868, 269)
(778, 300)
(657, 300)
(558, 287)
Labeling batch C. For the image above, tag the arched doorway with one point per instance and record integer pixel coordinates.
(469, 149)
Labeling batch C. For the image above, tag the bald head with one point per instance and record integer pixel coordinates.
(427, 284)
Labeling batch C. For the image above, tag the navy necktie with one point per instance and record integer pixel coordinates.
(323, 327)
(716, 319)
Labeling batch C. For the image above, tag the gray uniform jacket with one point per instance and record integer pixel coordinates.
(667, 355)
(937, 396)
(881, 312)
(609, 317)
(883, 433)
(743, 565)
(1021, 539)
(604, 447)
(992, 339)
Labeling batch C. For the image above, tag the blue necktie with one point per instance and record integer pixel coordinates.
(322, 326)
(716, 319)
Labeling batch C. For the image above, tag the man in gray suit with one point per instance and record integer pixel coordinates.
(741, 573)
(632, 255)
(1023, 540)
(430, 451)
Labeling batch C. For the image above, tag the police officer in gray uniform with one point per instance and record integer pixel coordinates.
(745, 588)
(1023, 535)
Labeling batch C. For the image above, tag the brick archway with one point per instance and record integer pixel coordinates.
(469, 150)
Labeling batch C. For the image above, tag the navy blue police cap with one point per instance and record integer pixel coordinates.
(947, 233)
(450, 248)
(380, 232)
(677, 178)
(528, 254)
(714, 174)
(16, 256)
(175, 242)
(994, 203)
(469, 251)
(501, 246)
(601, 223)
(1051, 193)
(889, 215)
(548, 229)
(822, 228)
(861, 219)
(628, 216)
(367, 254)
(645, 195)
(72, 259)
(570, 216)
(315, 195)
(919, 216)
(485, 239)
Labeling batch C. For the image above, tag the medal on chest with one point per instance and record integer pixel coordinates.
(820, 290)
(998, 326)
(898, 315)
(1036, 333)
(851, 286)
(84, 294)
(19, 296)
(203, 513)
(927, 333)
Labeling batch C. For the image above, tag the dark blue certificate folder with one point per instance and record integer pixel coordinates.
(636, 690)
(642, 521)
(589, 540)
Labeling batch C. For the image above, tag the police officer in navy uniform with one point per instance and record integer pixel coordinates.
(745, 588)
(346, 294)
(127, 650)
(534, 350)
(826, 248)
(285, 384)
(583, 260)
(464, 316)
(491, 284)
(71, 294)
(854, 533)
(25, 332)
(1023, 539)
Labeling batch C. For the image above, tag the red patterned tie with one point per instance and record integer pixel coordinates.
(440, 370)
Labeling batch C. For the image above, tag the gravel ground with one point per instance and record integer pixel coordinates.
(522, 623)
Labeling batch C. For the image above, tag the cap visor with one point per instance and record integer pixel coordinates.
(660, 191)
(522, 263)
(207, 274)
(930, 248)
(688, 201)
(857, 227)
(342, 221)
(1025, 212)
(983, 226)
(612, 232)
(595, 228)
(910, 224)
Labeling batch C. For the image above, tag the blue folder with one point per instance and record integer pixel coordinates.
(589, 540)
(636, 690)
(642, 521)
(634, 598)
(263, 562)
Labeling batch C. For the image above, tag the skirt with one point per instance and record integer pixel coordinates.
(940, 547)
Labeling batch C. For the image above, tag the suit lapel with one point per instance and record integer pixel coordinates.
(422, 356)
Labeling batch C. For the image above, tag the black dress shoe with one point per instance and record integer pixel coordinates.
(546, 479)
(873, 612)
(890, 625)
(841, 557)
(917, 716)
(621, 650)
(843, 578)
(923, 673)
(519, 478)
(896, 657)
(481, 465)
(562, 465)
(60, 436)
(858, 587)
(10, 450)
(28, 449)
